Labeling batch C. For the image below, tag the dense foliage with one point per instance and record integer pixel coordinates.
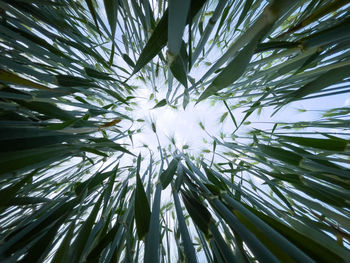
(74, 189)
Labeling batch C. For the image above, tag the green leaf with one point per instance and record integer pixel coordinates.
(245, 10)
(223, 19)
(178, 68)
(142, 209)
(319, 13)
(167, 176)
(111, 8)
(281, 154)
(257, 248)
(223, 117)
(97, 74)
(214, 179)
(231, 115)
(222, 245)
(15, 79)
(107, 239)
(325, 80)
(155, 44)
(199, 214)
(61, 254)
(318, 143)
(313, 248)
(188, 244)
(161, 103)
(30, 159)
(93, 13)
(27, 232)
(72, 81)
(271, 45)
(7, 194)
(27, 200)
(92, 182)
(49, 109)
(153, 237)
(128, 60)
(178, 12)
(279, 245)
(39, 249)
(94, 151)
(80, 241)
(232, 71)
(159, 36)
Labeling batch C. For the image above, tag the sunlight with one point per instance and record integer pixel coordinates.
(178, 125)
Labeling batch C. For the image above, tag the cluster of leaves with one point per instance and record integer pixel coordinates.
(71, 190)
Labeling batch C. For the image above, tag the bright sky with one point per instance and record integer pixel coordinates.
(183, 125)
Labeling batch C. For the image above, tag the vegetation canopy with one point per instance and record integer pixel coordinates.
(76, 185)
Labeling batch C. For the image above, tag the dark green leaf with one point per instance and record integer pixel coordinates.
(142, 209)
(167, 176)
(160, 104)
